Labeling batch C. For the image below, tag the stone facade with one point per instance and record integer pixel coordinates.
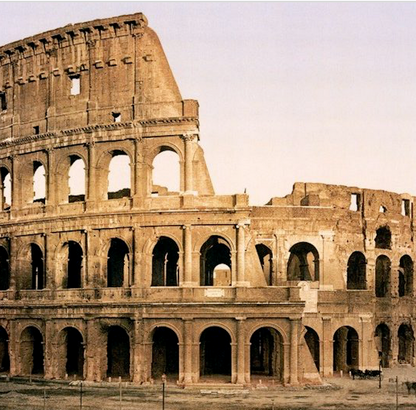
(143, 281)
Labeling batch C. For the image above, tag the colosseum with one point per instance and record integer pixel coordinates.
(139, 281)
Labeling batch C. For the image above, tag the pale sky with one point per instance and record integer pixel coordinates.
(288, 92)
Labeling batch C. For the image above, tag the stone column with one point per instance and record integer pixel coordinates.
(137, 258)
(139, 187)
(327, 351)
(323, 259)
(137, 352)
(14, 193)
(188, 333)
(49, 351)
(240, 350)
(240, 255)
(92, 359)
(188, 163)
(51, 184)
(91, 195)
(49, 260)
(187, 238)
(14, 347)
(293, 372)
(394, 280)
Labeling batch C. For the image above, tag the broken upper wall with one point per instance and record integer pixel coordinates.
(102, 71)
(368, 201)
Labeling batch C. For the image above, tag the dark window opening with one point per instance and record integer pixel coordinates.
(165, 269)
(382, 276)
(119, 176)
(346, 349)
(215, 251)
(3, 101)
(312, 341)
(382, 209)
(118, 353)
(4, 269)
(165, 354)
(406, 344)
(355, 204)
(74, 353)
(74, 267)
(38, 281)
(266, 261)
(266, 354)
(383, 342)
(356, 272)
(215, 352)
(4, 351)
(118, 264)
(36, 130)
(383, 238)
(406, 276)
(303, 263)
(31, 352)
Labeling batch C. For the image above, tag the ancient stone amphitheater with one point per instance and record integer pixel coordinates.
(140, 281)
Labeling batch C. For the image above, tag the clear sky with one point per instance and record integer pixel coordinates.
(288, 92)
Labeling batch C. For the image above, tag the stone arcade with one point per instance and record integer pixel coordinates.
(142, 281)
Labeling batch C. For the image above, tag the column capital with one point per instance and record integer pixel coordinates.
(188, 137)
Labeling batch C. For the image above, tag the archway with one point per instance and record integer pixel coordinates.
(266, 353)
(303, 263)
(31, 351)
(406, 276)
(356, 272)
(74, 266)
(382, 276)
(165, 353)
(5, 189)
(214, 251)
(119, 176)
(215, 353)
(383, 238)
(406, 344)
(165, 270)
(118, 353)
(4, 269)
(312, 341)
(166, 173)
(71, 353)
(345, 349)
(118, 264)
(4, 351)
(39, 182)
(266, 257)
(38, 281)
(76, 179)
(383, 339)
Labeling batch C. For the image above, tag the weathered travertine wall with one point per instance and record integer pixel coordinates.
(143, 281)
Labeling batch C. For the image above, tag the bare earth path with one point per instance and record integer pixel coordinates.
(337, 393)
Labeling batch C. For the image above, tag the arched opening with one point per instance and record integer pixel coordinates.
(38, 281)
(406, 276)
(4, 351)
(266, 353)
(265, 256)
(356, 272)
(303, 263)
(31, 351)
(5, 189)
(406, 344)
(118, 264)
(312, 341)
(215, 353)
(74, 267)
(215, 251)
(383, 341)
(166, 173)
(165, 269)
(382, 276)
(165, 353)
(71, 353)
(345, 349)
(118, 353)
(39, 182)
(119, 176)
(76, 180)
(383, 238)
(4, 269)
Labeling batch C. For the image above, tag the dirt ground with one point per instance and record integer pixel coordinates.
(336, 393)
